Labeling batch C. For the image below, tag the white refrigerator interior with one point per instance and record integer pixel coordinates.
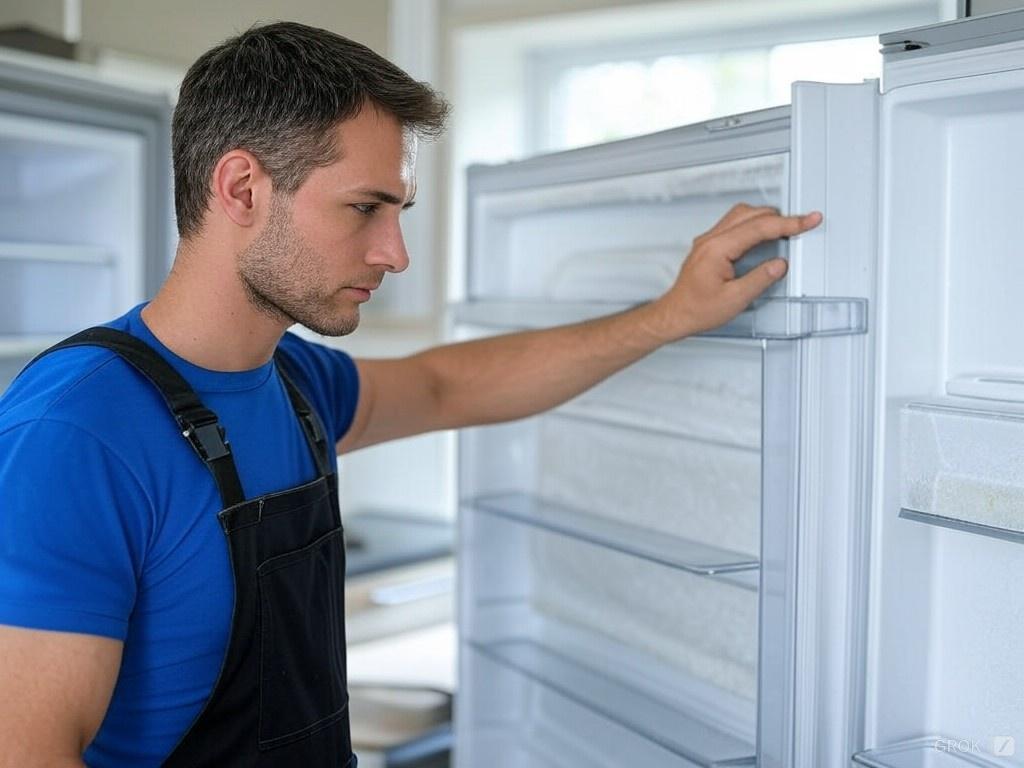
(947, 579)
(84, 208)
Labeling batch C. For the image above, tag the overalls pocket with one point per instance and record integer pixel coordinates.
(302, 641)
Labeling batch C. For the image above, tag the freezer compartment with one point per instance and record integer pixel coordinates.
(665, 629)
(779, 318)
(963, 468)
(618, 239)
(545, 708)
(932, 752)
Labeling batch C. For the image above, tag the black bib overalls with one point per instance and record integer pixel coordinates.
(280, 699)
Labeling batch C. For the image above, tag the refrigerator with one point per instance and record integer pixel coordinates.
(85, 204)
(793, 541)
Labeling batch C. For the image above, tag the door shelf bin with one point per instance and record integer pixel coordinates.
(692, 557)
(926, 752)
(963, 468)
(647, 731)
(772, 318)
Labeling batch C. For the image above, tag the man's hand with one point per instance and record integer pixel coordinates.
(707, 292)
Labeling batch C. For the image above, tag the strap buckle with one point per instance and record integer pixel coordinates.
(207, 439)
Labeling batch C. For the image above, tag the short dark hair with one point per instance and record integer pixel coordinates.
(278, 91)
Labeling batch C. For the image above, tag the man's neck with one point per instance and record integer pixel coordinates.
(203, 314)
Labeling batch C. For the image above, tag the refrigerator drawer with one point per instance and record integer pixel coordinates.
(542, 708)
(963, 468)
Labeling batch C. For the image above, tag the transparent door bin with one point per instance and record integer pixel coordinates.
(927, 752)
(963, 468)
(538, 696)
(689, 556)
(772, 318)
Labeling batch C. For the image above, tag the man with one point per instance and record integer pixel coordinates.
(170, 558)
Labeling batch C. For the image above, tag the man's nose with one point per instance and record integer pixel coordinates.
(389, 251)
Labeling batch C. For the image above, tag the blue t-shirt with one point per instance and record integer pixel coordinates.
(108, 519)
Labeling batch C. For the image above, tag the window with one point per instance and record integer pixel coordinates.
(598, 93)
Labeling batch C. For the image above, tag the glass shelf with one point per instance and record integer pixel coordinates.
(660, 722)
(926, 752)
(665, 549)
(956, 524)
(774, 318)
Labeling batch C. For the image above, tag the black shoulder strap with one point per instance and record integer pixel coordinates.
(312, 426)
(198, 424)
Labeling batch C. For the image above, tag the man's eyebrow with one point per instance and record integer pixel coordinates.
(386, 197)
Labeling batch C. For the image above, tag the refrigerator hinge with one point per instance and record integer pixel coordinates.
(902, 46)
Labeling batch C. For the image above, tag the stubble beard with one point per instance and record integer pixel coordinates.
(280, 274)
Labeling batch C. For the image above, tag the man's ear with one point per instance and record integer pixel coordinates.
(241, 188)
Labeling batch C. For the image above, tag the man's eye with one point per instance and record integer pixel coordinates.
(367, 209)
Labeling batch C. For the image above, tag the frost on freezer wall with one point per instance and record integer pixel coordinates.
(696, 477)
(704, 628)
(618, 239)
(671, 444)
(695, 490)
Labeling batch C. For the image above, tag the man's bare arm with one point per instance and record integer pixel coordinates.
(56, 687)
(520, 374)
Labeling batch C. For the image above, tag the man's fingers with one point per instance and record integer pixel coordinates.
(742, 237)
(760, 279)
(737, 214)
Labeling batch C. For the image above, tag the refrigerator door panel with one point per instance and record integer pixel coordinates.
(946, 601)
(651, 531)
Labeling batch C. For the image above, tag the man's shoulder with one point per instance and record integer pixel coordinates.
(84, 386)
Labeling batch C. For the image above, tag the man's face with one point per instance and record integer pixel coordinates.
(322, 250)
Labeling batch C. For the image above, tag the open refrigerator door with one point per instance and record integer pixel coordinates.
(630, 562)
